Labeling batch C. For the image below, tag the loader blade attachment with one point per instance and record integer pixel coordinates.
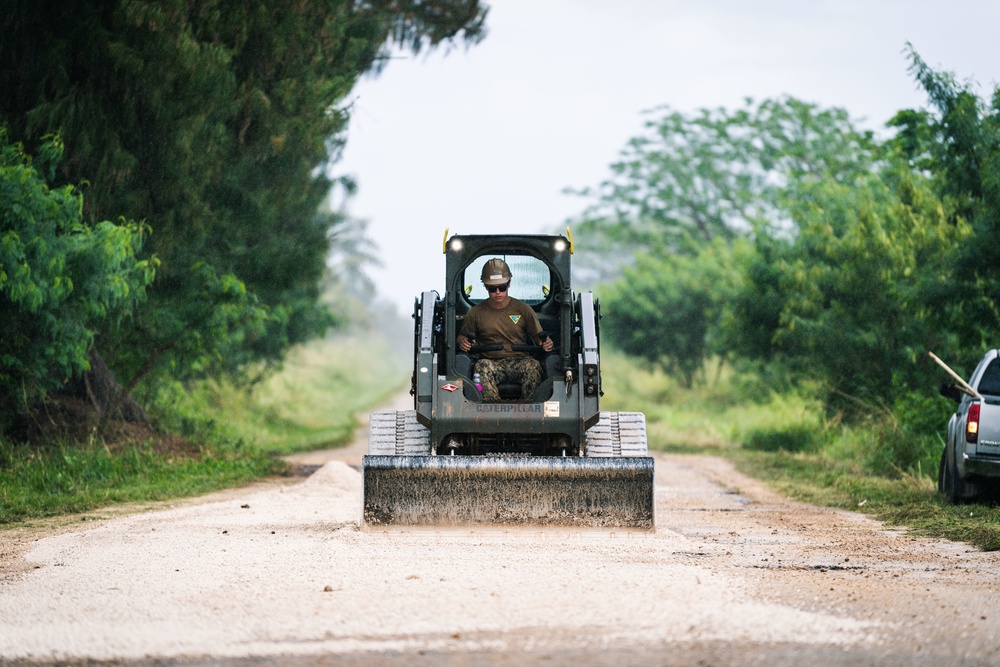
(508, 490)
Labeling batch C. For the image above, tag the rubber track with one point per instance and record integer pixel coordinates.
(397, 432)
(618, 434)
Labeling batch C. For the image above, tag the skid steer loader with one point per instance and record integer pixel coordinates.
(551, 459)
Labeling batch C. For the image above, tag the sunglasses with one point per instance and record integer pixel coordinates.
(497, 288)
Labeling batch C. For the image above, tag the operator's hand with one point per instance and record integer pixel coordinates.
(546, 344)
(463, 343)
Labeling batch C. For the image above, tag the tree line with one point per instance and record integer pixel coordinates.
(163, 165)
(782, 238)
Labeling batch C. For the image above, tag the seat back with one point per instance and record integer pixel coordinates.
(509, 391)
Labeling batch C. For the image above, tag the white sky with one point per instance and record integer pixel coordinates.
(484, 140)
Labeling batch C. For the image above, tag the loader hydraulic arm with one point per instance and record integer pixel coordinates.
(424, 370)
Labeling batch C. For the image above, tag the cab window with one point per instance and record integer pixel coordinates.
(989, 384)
(530, 278)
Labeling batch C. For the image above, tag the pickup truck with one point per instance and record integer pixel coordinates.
(970, 462)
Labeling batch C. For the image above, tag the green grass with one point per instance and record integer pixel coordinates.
(882, 467)
(232, 435)
(720, 412)
(313, 402)
(64, 479)
(908, 500)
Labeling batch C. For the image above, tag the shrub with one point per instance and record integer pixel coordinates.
(792, 438)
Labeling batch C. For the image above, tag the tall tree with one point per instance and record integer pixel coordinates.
(958, 143)
(669, 309)
(213, 121)
(720, 173)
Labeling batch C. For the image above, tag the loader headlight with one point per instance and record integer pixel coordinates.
(559, 245)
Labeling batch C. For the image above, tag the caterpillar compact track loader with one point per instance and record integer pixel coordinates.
(552, 459)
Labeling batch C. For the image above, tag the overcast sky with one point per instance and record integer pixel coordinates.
(485, 140)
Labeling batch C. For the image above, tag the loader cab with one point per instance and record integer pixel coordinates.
(540, 273)
(567, 400)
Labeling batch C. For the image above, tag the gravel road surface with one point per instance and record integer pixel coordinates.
(281, 574)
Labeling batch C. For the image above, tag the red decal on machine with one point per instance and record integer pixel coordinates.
(449, 387)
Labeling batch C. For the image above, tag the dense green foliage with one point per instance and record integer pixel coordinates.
(852, 283)
(60, 279)
(682, 295)
(214, 123)
(779, 237)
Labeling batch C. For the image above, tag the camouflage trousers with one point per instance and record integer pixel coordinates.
(521, 370)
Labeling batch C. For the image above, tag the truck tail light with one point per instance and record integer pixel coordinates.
(972, 423)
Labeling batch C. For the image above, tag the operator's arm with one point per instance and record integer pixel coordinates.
(541, 338)
(467, 335)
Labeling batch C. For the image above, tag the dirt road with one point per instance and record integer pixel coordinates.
(280, 573)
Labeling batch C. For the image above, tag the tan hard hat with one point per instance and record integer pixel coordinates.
(496, 272)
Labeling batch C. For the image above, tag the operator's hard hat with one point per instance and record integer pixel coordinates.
(496, 272)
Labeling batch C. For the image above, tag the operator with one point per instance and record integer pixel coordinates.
(504, 320)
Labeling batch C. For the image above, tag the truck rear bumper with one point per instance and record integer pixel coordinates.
(980, 466)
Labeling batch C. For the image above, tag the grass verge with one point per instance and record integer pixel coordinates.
(230, 436)
(907, 501)
(64, 479)
(879, 467)
(313, 402)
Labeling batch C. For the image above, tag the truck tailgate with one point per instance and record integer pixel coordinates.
(988, 443)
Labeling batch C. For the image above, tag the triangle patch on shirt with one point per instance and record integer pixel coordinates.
(515, 318)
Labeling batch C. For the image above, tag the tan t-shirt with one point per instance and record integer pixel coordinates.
(515, 324)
